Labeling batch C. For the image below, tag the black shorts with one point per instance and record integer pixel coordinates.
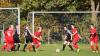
(68, 40)
(28, 39)
(16, 39)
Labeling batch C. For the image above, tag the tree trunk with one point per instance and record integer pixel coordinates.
(94, 8)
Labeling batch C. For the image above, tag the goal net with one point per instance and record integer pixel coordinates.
(8, 16)
(52, 23)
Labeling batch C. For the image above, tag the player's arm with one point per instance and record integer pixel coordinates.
(80, 36)
(31, 34)
(13, 32)
(65, 37)
(71, 36)
(41, 38)
(34, 36)
(91, 35)
(74, 33)
(17, 29)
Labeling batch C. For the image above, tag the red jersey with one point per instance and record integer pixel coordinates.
(9, 35)
(93, 33)
(37, 34)
(37, 40)
(76, 35)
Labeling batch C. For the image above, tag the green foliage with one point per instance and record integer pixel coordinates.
(47, 5)
(8, 17)
(23, 23)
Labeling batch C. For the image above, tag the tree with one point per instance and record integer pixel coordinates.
(95, 5)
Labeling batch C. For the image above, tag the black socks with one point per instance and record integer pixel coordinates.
(71, 47)
(64, 45)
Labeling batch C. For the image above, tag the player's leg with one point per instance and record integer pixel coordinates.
(33, 46)
(70, 46)
(97, 49)
(96, 45)
(14, 47)
(14, 37)
(38, 45)
(4, 46)
(64, 45)
(10, 45)
(92, 46)
(15, 44)
(18, 43)
(75, 44)
(18, 47)
(26, 42)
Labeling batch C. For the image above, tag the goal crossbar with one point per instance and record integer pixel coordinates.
(10, 8)
(65, 12)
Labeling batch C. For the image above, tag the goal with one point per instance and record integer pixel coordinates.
(8, 16)
(44, 18)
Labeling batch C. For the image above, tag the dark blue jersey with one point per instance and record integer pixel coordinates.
(68, 34)
(27, 33)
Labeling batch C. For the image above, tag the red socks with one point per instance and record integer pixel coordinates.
(76, 46)
(92, 47)
(38, 45)
(97, 47)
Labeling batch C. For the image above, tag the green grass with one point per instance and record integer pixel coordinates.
(49, 50)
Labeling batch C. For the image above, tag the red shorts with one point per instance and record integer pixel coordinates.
(10, 40)
(36, 41)
(75, 40)
(95, 40)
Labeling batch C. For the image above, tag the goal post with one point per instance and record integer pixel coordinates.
(17, 20)
(57, 12)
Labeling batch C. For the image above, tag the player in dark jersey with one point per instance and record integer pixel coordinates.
(28, 38)
(67, 39)
(16, 38)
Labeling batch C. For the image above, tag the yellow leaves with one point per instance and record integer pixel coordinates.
(6, 3)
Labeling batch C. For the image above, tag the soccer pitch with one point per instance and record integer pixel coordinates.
(50, 50)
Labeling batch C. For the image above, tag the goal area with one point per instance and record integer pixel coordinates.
(8, 16)
(52, 22)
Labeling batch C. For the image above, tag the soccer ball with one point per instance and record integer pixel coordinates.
(57, 50)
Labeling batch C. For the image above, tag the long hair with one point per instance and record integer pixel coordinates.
(6, 29)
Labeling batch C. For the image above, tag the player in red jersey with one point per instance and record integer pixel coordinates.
(37, 37)
(9, 42)
(5, 41)
(93, 38)
(76, 37)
